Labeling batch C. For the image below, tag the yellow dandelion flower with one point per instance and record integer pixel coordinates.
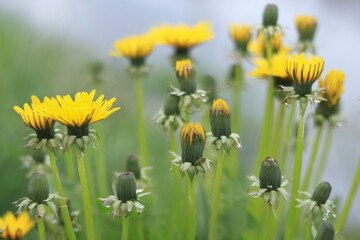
(306, 26)
(257, 47)
(182, 37)
(192, 131)
(263, 68)
(43, 126)
(241, 35)
(304, 71)
(334, 86)
(15, 228)
(135, 48)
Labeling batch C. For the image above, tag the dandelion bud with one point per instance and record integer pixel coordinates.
(38, 188)
(192, 142)
(270, 15)
(126, 187)
(321, 193)
(133, 165)
(172, 105)
(241, 35)
(209, 85)
(186, 76)
(220, 119)
(270, 174)
(306, 26)
(326, 231)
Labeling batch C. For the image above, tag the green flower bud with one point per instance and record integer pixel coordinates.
(192, 142)
(133, 165)
(209, 85)
(126, 187)
(220, 119)
(172, 105)
(186, 76)
(38, 188)
(270, 174)
(321, 193)
(306, 26)
(326, 232)
(270, 15)
(38, 156)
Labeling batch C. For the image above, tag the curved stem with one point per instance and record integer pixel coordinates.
(289, 229)
(141, 122)
(63, 206)
(278, 131)
(192, 214)
(89, 222)
(41, 228)
(216, 196)
(125, 228)
(349, 200)
(312, 159)
(285, 147)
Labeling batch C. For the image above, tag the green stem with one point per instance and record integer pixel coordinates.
(63, 206)
(100, 163)
(278, 131)
(89, 222)
(308, 234)
(125, 228)
(90, 175)
(141, 122)
(69, 164)
(289, 229)
(312, 159)
(41, 228)
(324, 154)
(269, 230)
(216, 196)
(192, 214)
(140, 228)
(285, 147)
(343, 216)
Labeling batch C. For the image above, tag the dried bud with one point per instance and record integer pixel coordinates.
(172, 105)
(220, 119)
(38, 188)
(321, 193)
(126, 187)
(192, 142)
(186, 76)
(133, 165)
(270, 15)
(326, 231)
(270, 174)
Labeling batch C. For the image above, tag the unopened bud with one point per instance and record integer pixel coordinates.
(172, 105)
(270, 15)
(326, 232)
(186, 76)
(133, 165)
(321, 193)
(270, 174)
(220, 119)
(38, 188)
(126, 187)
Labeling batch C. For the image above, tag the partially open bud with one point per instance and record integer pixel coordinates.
(192, 142)
(321, 193)
(133, 165)
(241, 35)
(186, 76)
(306, 26)
(326, 231)
(126, 187)
(172, 105)
(270, 174)
(270, 15)
(38, 188)
(220, 118)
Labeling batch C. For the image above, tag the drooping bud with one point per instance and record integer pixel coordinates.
(326, 231)
(186, 76)
(270, 174)
(126, 187)
(321, 193)
(306, 26)
(38, 188)
(133, 165)
(220, 118)
(270, 15)
(172, 105)
(192, 142)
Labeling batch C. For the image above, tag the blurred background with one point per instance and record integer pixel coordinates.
(48, 48)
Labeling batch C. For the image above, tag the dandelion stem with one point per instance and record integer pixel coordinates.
(324, 154)
(308, 235)
(140, 228)
(343, 216)
(100, 163)
(289, 229)
(278, 131)
(63, 206)
(312, 159)
(141, 122)
(269, 233)
(125, 228)
(41, 228)
(89, 222)
(216, 196)
(285, 147)
(192, 214)
(69, 164)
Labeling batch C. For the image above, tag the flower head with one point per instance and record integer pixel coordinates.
(135, 48)
(192, 142)
(182, 37)
(186, 76)
(257, 47)
(241, 35)
(270, 15)
(220, 118)
(326, 231)
(304, 71)
(38, 188)
(15, 228)
(334, 86)
(306, 26)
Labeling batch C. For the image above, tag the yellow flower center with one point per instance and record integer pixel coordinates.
(184, 68)
(191, 130)
(220, 106)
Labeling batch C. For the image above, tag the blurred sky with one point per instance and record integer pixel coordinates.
(96, 24)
